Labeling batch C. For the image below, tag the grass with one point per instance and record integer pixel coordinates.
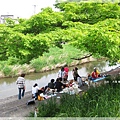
(102, 101)
(57, 55)
(49, 60)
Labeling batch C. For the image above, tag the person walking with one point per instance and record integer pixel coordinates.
(21, 85)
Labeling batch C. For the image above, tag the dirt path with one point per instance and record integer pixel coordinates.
(12, 107)
(113, 72)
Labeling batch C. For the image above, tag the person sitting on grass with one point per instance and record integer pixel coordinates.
(51, 84)
(36, 91)
(50, 87)
(95, 74)
(59, 85)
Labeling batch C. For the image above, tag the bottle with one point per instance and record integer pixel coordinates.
(35, 113)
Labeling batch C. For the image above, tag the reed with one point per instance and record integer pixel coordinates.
(102, 101)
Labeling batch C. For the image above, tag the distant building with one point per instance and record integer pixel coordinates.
(3, 17)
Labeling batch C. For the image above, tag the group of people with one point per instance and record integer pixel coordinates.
(53, 85)
(59, 84)
(63, 73)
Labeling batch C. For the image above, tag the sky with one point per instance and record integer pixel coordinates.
(24, 8)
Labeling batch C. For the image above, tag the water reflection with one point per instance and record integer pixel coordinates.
(8, 86)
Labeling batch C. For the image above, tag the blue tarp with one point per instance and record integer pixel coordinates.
(98, 79)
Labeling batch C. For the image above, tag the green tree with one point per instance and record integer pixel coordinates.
(104, 39)
(20, 46)
(4, 36)
(25, 47)
(100, 1)
(45, 21)
(90, 13)
(90, 26)
(10, 22)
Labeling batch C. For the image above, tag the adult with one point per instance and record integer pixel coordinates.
(21, 85)
(75, 73)
(66, 69)
(59, 85)
(61, 74)
(51, 84)
(95, 74)
(36, 90)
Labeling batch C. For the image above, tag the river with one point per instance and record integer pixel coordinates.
(8, 86)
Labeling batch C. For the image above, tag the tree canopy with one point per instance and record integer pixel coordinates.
(94, 27)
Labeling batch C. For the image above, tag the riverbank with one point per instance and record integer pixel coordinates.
(8, 86)
(16, 70)
(12, 107)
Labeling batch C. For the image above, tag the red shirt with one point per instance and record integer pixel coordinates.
(94, 75)
(66, 69)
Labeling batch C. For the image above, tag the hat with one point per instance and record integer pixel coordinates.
(95, 68)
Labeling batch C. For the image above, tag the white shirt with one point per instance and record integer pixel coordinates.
(21, 82)
(35, 89)
(61, 74)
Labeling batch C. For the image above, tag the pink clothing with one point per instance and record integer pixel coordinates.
(66, 69)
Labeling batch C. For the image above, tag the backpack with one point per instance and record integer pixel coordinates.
(30, 102)
(40, 98)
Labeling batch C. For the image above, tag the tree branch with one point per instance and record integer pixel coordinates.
(82, 57)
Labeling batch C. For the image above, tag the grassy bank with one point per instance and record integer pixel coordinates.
(103, 101)
(55, 58)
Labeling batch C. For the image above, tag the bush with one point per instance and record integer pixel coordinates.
(13, 61)
(55, 56)
(102, 101)
(7, 70)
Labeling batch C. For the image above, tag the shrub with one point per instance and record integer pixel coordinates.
(7, 70)
(102, 101)
(57, 55)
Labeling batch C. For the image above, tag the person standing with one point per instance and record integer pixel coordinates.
(66, 69)
(61, 74)
(75, 73)
(21, 85)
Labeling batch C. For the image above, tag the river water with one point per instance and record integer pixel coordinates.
(8, 86)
